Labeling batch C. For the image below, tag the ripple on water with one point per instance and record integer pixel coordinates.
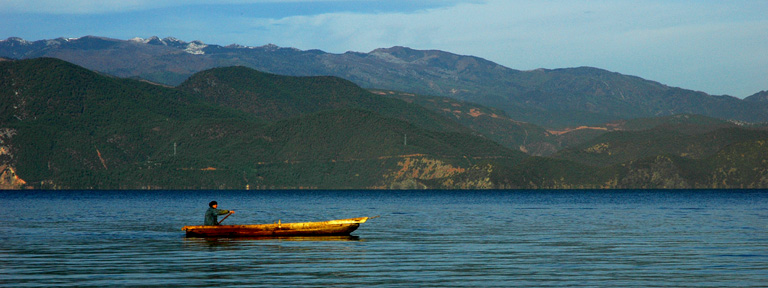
(444, 239)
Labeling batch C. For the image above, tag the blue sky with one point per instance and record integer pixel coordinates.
(718, 47)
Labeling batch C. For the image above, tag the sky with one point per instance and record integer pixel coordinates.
(718, 47)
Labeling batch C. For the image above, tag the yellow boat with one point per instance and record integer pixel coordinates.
(339, 227)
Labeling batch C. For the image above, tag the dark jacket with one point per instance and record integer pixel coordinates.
(212, 216)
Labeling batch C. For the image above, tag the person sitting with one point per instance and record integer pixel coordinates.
(213, 212)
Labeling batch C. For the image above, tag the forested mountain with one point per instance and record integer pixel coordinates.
(66, 127)
(761, 96)
(685, 136)
(555, 98)
(492, 123)
(275, 97)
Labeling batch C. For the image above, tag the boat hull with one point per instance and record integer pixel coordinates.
(327, 228)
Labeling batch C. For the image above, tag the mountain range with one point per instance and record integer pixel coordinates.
(231, 126)
(557, 98)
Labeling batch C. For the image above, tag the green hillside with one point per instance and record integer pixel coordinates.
(681, 151)
(69, 128)
(493, 123)
(686, 136)
(75, 128)
(684, 123)
(742, 165)
(275, 97)
(65, 127)
(356, 148)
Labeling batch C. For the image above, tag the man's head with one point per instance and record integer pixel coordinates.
(213, 204)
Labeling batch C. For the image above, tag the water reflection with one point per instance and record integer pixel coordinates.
(240, 241)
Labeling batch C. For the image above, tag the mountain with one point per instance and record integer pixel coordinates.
(737, 166)
(150, 60)
(592, 96)
(344, 148)
(761, 96)
(556, 98)
(685, 136)
(492, 123)
(65, 127)
(275, 97)
(68, 127)
(681, 151)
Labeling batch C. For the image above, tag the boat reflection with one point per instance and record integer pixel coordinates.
(233, 241)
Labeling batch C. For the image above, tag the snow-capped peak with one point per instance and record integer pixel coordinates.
(195, 47)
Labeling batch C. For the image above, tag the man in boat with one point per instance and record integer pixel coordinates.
(213, 212)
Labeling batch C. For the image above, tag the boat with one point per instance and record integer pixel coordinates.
(339, 227)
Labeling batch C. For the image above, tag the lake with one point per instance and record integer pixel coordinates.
(422, 239)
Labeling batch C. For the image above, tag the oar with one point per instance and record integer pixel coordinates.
(225, 217)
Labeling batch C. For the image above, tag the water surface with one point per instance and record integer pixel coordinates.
(422, 239)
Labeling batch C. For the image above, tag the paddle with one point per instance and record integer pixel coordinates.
(225, 217)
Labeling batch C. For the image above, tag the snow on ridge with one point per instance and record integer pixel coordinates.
(195, 47)
(139, 40)
(17, 40)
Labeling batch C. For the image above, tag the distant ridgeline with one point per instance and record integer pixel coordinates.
(558, 98)
(66, 127)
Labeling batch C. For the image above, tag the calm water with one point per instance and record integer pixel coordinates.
(423, 239)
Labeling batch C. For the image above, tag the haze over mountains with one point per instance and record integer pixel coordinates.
(220, 117)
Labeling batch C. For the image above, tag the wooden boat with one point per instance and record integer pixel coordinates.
(327, 228)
